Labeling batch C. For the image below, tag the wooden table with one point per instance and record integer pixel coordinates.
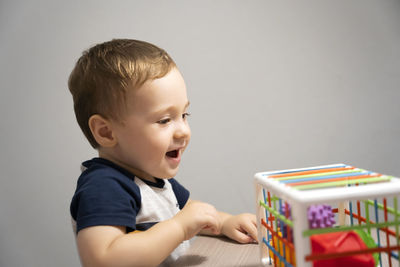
(223, 252)
(220, 252)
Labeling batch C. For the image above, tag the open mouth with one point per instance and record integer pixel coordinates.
(173, 153)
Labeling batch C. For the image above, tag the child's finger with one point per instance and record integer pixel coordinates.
(242, 237)
(251, 230)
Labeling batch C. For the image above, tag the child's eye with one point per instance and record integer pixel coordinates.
(185, 115)
(164, 121)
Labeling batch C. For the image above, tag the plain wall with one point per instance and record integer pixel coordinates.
(272, 85)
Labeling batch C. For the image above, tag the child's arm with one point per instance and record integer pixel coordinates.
(111, 246)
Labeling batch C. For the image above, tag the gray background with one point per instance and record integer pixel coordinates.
(273, 85)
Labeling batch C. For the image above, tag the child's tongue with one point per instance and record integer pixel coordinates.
(172, 154)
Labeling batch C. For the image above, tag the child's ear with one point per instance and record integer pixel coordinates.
(102, 131)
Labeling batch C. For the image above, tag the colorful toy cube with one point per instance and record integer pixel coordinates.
(331, 215)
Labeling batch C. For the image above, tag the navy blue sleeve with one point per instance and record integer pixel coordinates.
(102, 199)
(181, 193)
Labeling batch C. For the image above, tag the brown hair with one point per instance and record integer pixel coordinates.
(104, 73)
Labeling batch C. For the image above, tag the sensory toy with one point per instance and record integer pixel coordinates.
(330, 215)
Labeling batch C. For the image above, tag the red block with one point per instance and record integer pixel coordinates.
(341, 242)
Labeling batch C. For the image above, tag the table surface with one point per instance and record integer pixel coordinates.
(221, 252)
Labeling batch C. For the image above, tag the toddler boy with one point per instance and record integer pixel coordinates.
(130, 102)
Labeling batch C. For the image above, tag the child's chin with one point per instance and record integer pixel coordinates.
(165, 174)
(170, 174)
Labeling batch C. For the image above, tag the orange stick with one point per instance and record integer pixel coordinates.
(332, 180)
(359, 212)
(310, 172)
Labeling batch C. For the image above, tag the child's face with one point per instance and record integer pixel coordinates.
(155, 131)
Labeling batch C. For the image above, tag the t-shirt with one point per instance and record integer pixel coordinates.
(107, 194)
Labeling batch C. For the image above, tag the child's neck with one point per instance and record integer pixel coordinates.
(138, 173)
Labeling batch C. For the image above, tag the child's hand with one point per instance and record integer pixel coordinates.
(242, 228)
(196, 216)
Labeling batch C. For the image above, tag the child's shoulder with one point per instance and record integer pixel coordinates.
(101, 175)
(102, 168)
(104, 196)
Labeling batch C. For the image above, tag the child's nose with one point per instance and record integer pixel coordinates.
(182, 131)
